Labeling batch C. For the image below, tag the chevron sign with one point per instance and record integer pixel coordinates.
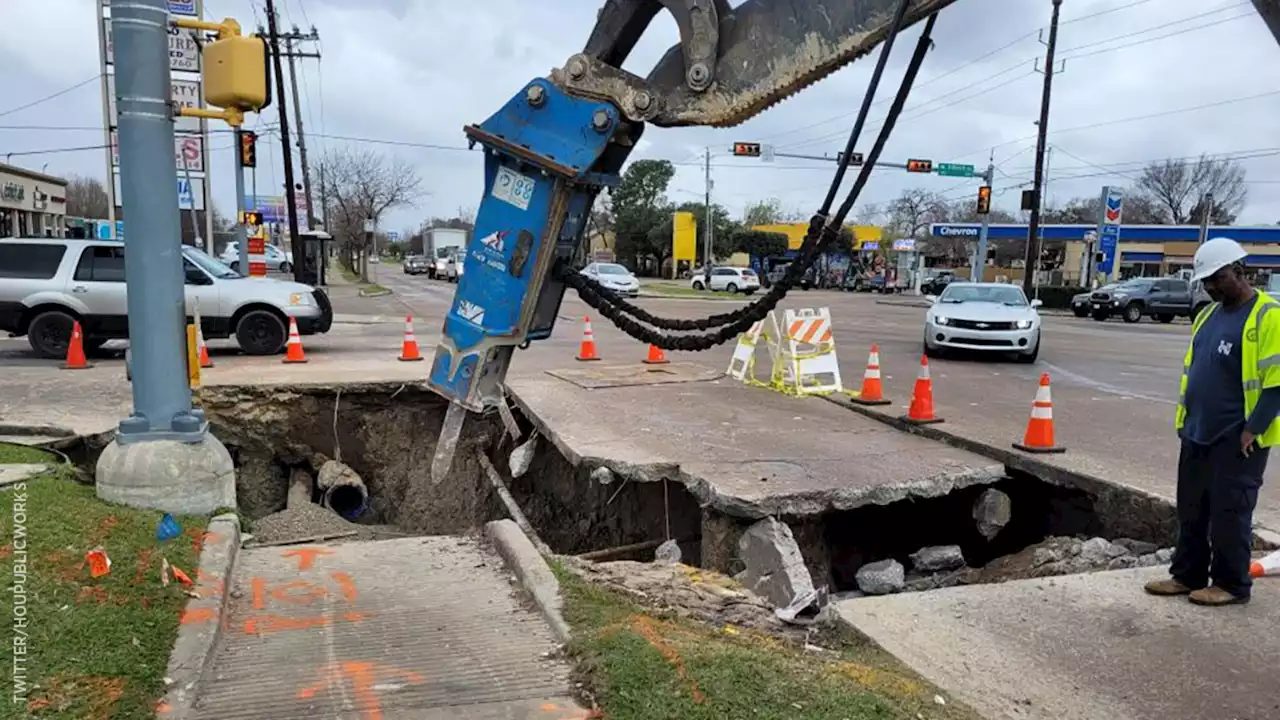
(1115, 206)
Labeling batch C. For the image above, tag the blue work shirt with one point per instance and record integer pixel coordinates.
(1215, 386)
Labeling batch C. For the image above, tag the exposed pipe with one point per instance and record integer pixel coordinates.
(513, 508)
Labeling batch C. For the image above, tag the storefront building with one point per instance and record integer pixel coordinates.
(32, 204)
(1145, 250)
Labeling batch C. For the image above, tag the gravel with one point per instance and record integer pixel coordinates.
(300, 523)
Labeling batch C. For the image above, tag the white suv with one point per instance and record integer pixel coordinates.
(46, 283)
(275, 258)
(731, 279)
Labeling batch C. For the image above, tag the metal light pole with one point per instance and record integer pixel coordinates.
(241, 232)
(979, 270)
(153, 263)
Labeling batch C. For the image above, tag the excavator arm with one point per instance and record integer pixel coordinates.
(563, 138)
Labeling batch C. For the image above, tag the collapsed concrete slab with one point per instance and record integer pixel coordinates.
(775, 568)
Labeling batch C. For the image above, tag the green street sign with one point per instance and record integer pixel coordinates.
(952, 170)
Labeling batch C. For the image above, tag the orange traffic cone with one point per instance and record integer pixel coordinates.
(921, 410)
(587, 351)
(409, 353)
(1039, 435)
(872, 390)
(1266, 565)
(75, 350)
(205, 360)
(293, 348)
(656, 356)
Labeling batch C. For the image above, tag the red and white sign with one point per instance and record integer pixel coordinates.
(188, 152)
(186, 93)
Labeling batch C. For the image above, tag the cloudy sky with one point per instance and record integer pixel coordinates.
(1143, 80)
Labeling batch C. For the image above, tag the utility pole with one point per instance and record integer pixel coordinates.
(1206, 209)
(295, 242)
(1031, 260)
(163, 455)
(706, 233)
(290, 39)
(1043, 203)
(977, 274)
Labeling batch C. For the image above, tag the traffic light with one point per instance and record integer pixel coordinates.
(252, 217)
(248, 148)
(854, 159)
(920, 166)
(235, 71)
(745, 149)
(984, 199)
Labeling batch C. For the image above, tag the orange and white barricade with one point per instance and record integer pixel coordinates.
(742, 365)
(807, 363)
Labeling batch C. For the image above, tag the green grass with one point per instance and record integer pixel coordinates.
(16, 454)
(97, 649)
(683, 291)
(641, 666)
(374, 289)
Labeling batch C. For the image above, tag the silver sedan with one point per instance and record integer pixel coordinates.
(984, 317)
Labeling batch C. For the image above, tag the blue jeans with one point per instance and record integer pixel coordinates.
(1217, 492)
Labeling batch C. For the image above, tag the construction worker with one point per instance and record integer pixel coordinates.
(1226, 418)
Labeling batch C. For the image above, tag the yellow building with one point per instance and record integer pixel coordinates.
(795, 233)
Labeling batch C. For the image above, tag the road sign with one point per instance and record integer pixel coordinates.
(184, 53)
(920, 166)
(953, 170)
(393, 236)
(186, 93)
(190, 8)
(188, 152)
(854, 159)
(1109, 227)
(274, 208)
(185, 198)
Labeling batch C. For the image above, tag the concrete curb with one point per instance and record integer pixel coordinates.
(533, 572)
(193, 650)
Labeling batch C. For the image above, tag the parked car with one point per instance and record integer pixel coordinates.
(729, 279)
(1080, 304)
(277, 259)
(415, 265)
(1159, 298)
(614, 277)
(939, 282)
(46, 284)
(454, 264)
(984, 317)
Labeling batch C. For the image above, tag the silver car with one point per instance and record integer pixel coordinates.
(614, 277)
(46, 284)
(985, 317)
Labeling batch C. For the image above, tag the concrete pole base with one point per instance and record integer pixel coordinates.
(176, 477)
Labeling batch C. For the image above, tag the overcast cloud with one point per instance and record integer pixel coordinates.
(416, 72)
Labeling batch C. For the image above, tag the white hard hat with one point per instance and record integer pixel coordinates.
(1215, 255)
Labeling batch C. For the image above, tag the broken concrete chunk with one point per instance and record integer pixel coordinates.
(1124, 561)
(1137, 547)
(1100, 551)
(775, 568)
(1164, 556)
(1045, 555)
(334, 473)
(881, 577)
(522, 457)
(935, 581)
(802, 610)
(1148, 560)
(937, 557)
(992, 512)
(668, 552)
(602, 475)
(300, 484)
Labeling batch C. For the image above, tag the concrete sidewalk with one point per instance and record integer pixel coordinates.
(1085, 647)
(423, 628)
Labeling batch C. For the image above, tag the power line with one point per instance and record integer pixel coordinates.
(47, 98)
(1184, 31)
(1144, 31)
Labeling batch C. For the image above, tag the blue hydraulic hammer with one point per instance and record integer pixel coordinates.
(547, 155)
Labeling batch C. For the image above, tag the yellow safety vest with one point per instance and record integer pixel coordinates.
(1259, 356)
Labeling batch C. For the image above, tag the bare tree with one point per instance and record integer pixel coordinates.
(361, 185)
(87, 198)
(1177, 186)
(763, 212)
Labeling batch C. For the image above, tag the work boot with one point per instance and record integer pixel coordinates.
(1216, 597)
(1166, 587)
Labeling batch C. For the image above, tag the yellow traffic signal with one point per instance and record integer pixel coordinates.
(235, 71)
(745, 149)
(248, 148)
(984, 199)
(253, 218)
(920, 166)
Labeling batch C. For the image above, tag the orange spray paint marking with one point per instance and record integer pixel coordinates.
(212, 582)
(193, 616)
(259, 593)
(361, 676)
(278, 623)
(306, 556)
(349, 591)
(648, 629)
(307, 593)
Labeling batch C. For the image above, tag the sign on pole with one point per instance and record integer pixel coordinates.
(187, 200)
(954, 170)
(186, 93)
(1109, 228)
(190, 8)
(188, 152)
(184, 53)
